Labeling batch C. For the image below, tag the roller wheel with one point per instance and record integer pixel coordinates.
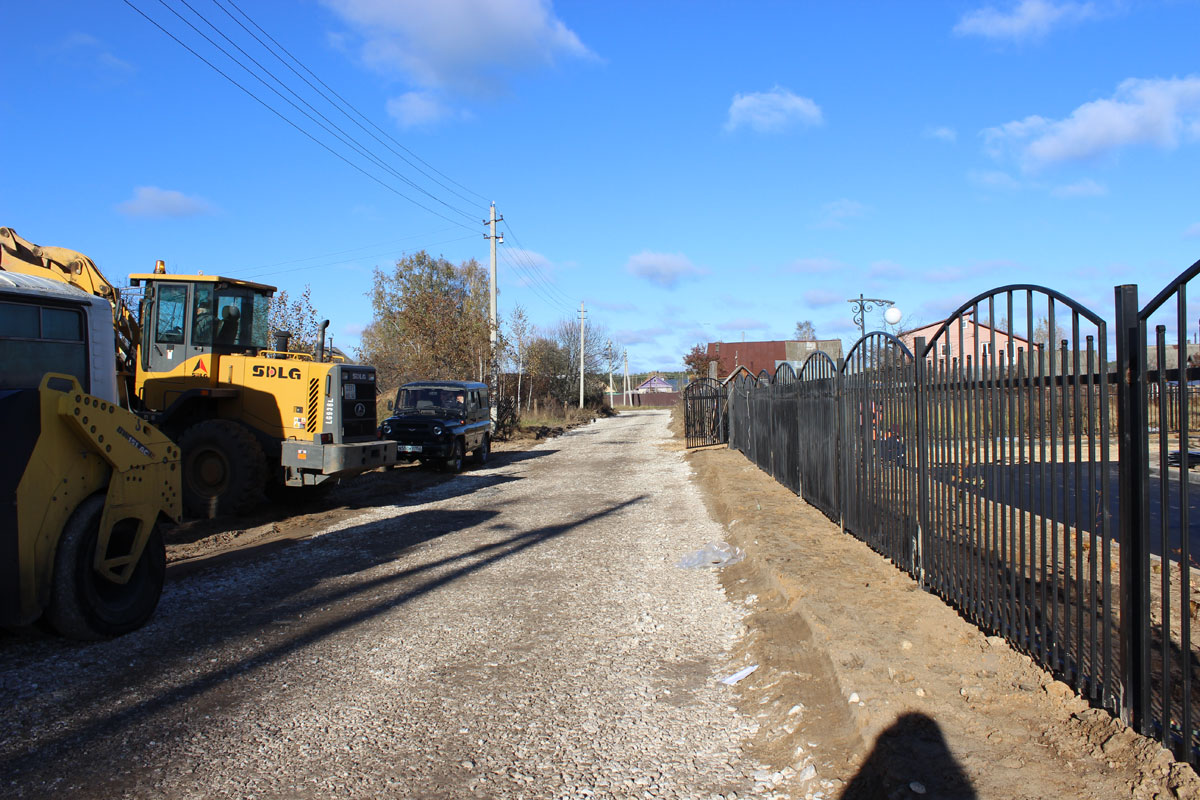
(83, 603)
(454, 463)
(224, 469)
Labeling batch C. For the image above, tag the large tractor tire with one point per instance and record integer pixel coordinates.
(86, 605)
(224, 469)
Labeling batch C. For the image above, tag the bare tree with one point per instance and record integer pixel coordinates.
(519, 335)
(805, 331)
(298, 317)
(430, 320)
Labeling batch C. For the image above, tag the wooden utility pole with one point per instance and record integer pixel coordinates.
(582, 317)
(608, 354)
(626, 377)
(495, 324)
(493, 321)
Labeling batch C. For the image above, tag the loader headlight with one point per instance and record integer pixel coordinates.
(437, 431)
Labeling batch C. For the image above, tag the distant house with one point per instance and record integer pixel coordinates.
(655, 384)
(976, 337)
(757, 356)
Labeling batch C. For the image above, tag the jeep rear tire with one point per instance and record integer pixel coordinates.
(454, 463)
(483, 451)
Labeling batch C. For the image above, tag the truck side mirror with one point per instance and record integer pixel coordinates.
(391, 405)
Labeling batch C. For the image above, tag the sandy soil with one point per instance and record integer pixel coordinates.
(883, 688)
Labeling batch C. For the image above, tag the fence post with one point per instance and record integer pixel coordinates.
(838, 437)
(1134, 523)
(922, 465)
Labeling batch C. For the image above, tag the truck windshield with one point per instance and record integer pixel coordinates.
(419, 398)
(230, 317)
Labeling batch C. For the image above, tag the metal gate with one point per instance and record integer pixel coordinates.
(704, 415)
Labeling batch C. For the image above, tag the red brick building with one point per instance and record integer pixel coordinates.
(757, 356)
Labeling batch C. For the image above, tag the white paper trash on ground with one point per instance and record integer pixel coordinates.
(713, 554)
(737, 676)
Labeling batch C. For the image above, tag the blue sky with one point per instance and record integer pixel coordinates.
(693, 171)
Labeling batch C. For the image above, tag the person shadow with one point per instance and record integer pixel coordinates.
(910, 760)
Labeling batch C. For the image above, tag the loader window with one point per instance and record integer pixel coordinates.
(172, 306)
(202, 319)
(36, 339)
(229, 317)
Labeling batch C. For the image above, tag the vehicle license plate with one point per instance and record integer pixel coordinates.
(409, 448)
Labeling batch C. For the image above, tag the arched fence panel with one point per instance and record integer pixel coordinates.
(785, 428)
(1018, 502)
(704, 412)
(819, 422)
(878, 425)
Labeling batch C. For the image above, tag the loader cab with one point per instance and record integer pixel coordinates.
(188, 316)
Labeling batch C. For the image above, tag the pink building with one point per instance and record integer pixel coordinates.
(955, 346)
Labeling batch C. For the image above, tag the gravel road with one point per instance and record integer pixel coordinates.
(518, 631)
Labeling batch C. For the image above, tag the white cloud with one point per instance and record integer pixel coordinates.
(772, 112)
(821, 298)
(1192, 231)
(1084, 188)
(835, 214)
(663, 269)
(1155, 111)
(91, 52)
(421, 110)
(151, 201)
(1029, 19)
(458, 44)
(942, 133)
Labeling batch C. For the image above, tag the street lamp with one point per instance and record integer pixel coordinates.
(862, 305)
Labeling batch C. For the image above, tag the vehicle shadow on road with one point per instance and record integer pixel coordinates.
(910, 760)
(273, 609)
(403, 486)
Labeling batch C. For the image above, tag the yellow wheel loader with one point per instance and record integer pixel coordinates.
(195, 362)
(85, 486)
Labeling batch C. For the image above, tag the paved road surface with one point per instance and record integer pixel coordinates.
(518, 631)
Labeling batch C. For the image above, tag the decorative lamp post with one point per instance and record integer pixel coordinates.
(862, 305)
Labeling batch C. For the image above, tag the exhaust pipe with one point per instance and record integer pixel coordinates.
(321, 341)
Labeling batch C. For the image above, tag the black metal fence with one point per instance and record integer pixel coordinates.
(993, 469)
(705, 417)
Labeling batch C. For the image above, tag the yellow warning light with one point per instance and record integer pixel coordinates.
(160, 267)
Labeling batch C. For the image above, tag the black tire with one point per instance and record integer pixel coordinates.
(454, 463)
(483, 451)
(224, 469)
(83, 604)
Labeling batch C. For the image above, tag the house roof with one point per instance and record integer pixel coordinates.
(656, 382)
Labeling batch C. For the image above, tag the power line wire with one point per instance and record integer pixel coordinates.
(341, 134)
(351, 260)
(343, 252)
(354, 109)
(300, 129)
(537, 270)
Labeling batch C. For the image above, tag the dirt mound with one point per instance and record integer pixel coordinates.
(868, 686)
